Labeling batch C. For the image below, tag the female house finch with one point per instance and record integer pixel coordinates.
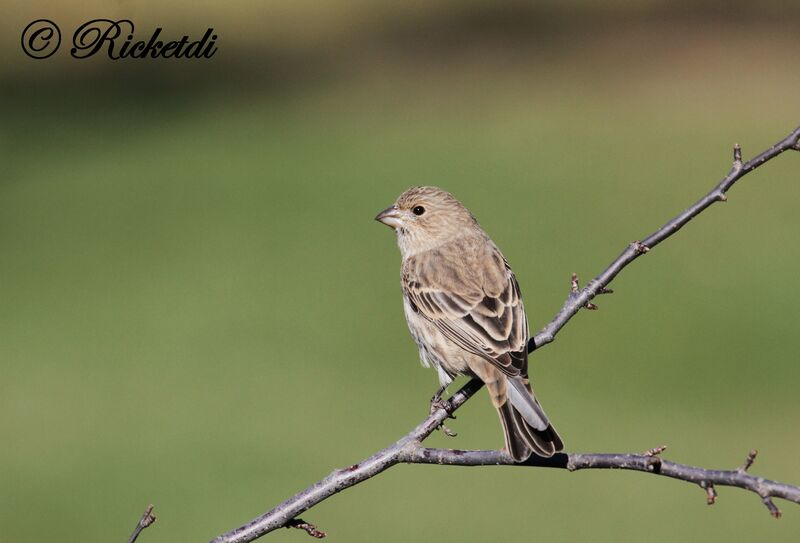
(464, 310)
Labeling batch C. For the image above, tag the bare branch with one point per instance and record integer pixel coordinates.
(147, 519)
(576, 301)
(706, 478)
(409, 449)
(344, 478)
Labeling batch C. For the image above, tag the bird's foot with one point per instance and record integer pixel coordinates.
(437, 403)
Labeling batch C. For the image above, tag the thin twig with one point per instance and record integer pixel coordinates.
(409, 450)
(576, 301)
(345, 478)
(764, 488)
(751, 457)
(147, 519)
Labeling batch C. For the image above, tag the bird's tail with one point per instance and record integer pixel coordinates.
(525, 425)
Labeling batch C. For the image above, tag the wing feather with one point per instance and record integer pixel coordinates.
(481, 313)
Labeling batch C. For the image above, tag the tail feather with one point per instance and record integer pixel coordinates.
(522, 439)
(527, 429)
(521, 397)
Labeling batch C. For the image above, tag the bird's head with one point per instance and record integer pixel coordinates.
(426, 217)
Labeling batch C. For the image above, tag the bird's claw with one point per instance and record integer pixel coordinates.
(447, 431)
(437, 403)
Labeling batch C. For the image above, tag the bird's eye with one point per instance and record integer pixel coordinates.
(418, 210)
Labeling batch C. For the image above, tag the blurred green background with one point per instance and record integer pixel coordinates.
(198, 311)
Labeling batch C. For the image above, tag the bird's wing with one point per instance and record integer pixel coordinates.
(480, 311)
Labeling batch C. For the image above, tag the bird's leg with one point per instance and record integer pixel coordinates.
(436, 400)
(438, 403)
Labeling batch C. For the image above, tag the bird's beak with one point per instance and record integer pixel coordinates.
(390, 216)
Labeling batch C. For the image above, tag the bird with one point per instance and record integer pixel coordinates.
(464, 310)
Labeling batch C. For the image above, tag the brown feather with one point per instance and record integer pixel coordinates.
(465, 311)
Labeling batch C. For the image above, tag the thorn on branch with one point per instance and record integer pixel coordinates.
(310, 529)
(711, 494)
(736, 170)
(737, 157)
(773, 509)
(655, 451)
(575, 288)
(147, 519)
(751, 456)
